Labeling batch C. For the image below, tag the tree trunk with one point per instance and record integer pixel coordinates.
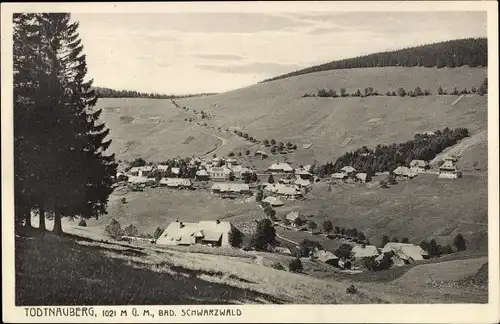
(27, 216)
(41, 222)
(57, 224)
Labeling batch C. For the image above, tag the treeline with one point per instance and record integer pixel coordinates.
(472, 52)
(401, 92)
(61, 168)
(111, 93)
(388, 157)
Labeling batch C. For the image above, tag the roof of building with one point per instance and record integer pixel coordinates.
(448, 165)
(260, 152)
(230, 187)
(404, 171)
(293, 216)
(364, 251)
(325, 256)
(281, 189)
(201, 173)
(361, 176)
(273, 201)
(348, 169)
(175, 182)
(175, 170)
(281, 166)
(419, 163)
(302, 182)
(302, 172)
(184, 233)
(141, 168)
(338, 175)
(223, 169)
(163, 167)
(133, 179)
(405, 250)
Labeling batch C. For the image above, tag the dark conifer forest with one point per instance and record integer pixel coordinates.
(472, 52)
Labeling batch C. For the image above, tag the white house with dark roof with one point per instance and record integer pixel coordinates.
(202, 175)
(222, 173)
(348, 170)
(419, 166)
(406, 251)
(281, 167)
(142, 171)
(448, 170)
(214, 233)
(403, 172)
(176, 182)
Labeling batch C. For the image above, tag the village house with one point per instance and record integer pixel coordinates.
(142, 171)
(162, 169)
(178, 183)
(302, 183)
(136, 180)
(406, 252)
(402, 172)
(261, 154)
(348, 170)
(448, 170)
(231, 162)
(213, 233)
(326, 257)
(176, 171)
(285, 181)
(273, 201)
(361, 177)
(202, 175)
(220, 173)
(229, 187)
(419, 166)
(339, 176)
(281, 167)
(303, 174)
(293, 216)
(240, 171)
(361, 251)
(279, 189)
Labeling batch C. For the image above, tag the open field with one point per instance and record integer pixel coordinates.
(98, 273)
(419, 209)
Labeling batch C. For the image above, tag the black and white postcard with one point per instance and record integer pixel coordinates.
(250, 162)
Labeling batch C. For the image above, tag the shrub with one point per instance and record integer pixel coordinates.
(295, 265)
(307, 246)
(273, 142)
(405, 240)
(114, 229)
(266, 142)
(239, 154)
(459, 242)
(312, 225)
(351, 290)
(247, 152)
(131, 230)
(235, 238)
(344, 251)
(231, 154)
(327, 226)
(270, 179)
(277, 266)
(401, 92)
(138, 162)
(82, 223)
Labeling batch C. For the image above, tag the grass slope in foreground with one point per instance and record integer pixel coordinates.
(69, 270)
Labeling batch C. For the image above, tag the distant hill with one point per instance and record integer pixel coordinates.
(472, 52)
(111, 93)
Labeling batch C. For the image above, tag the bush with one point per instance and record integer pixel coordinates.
(459, 242)
(247, 152)
(114, 229)
(295, 265)
(351, 290)
(327, 226)
(307, 246)
(278, 266)
(344, 251)
(82, 223)
(405, 240)
(401, 92)
(235, 238)
(138, 162)
(157, 233)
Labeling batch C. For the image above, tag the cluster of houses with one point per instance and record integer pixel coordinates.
(399, 253)
(448, 170)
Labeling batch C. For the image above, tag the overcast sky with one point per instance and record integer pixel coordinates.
(178, 53)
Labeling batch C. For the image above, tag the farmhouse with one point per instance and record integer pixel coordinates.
(142, 171)
(140, 180)
(261, 154)
(293, 216)
(220, 173)
(176, 171)
(283, 190)
(281, 167)
(361, 177)
(240, 171)
(326, 257)
(361, 251)
(449, 170)
(419, 166)
(273, 201)
(402, 172)
(348, 170)
(231, 161)
(339, 176)
(227, 187)
(301, 183)
(202, 175)
(176, 182)
(303, 174)
(214, 233)
(406, 251)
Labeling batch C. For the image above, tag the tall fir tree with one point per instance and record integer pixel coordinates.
(72, 172)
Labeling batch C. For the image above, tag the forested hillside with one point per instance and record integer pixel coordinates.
(472, 52)
(111, 93)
